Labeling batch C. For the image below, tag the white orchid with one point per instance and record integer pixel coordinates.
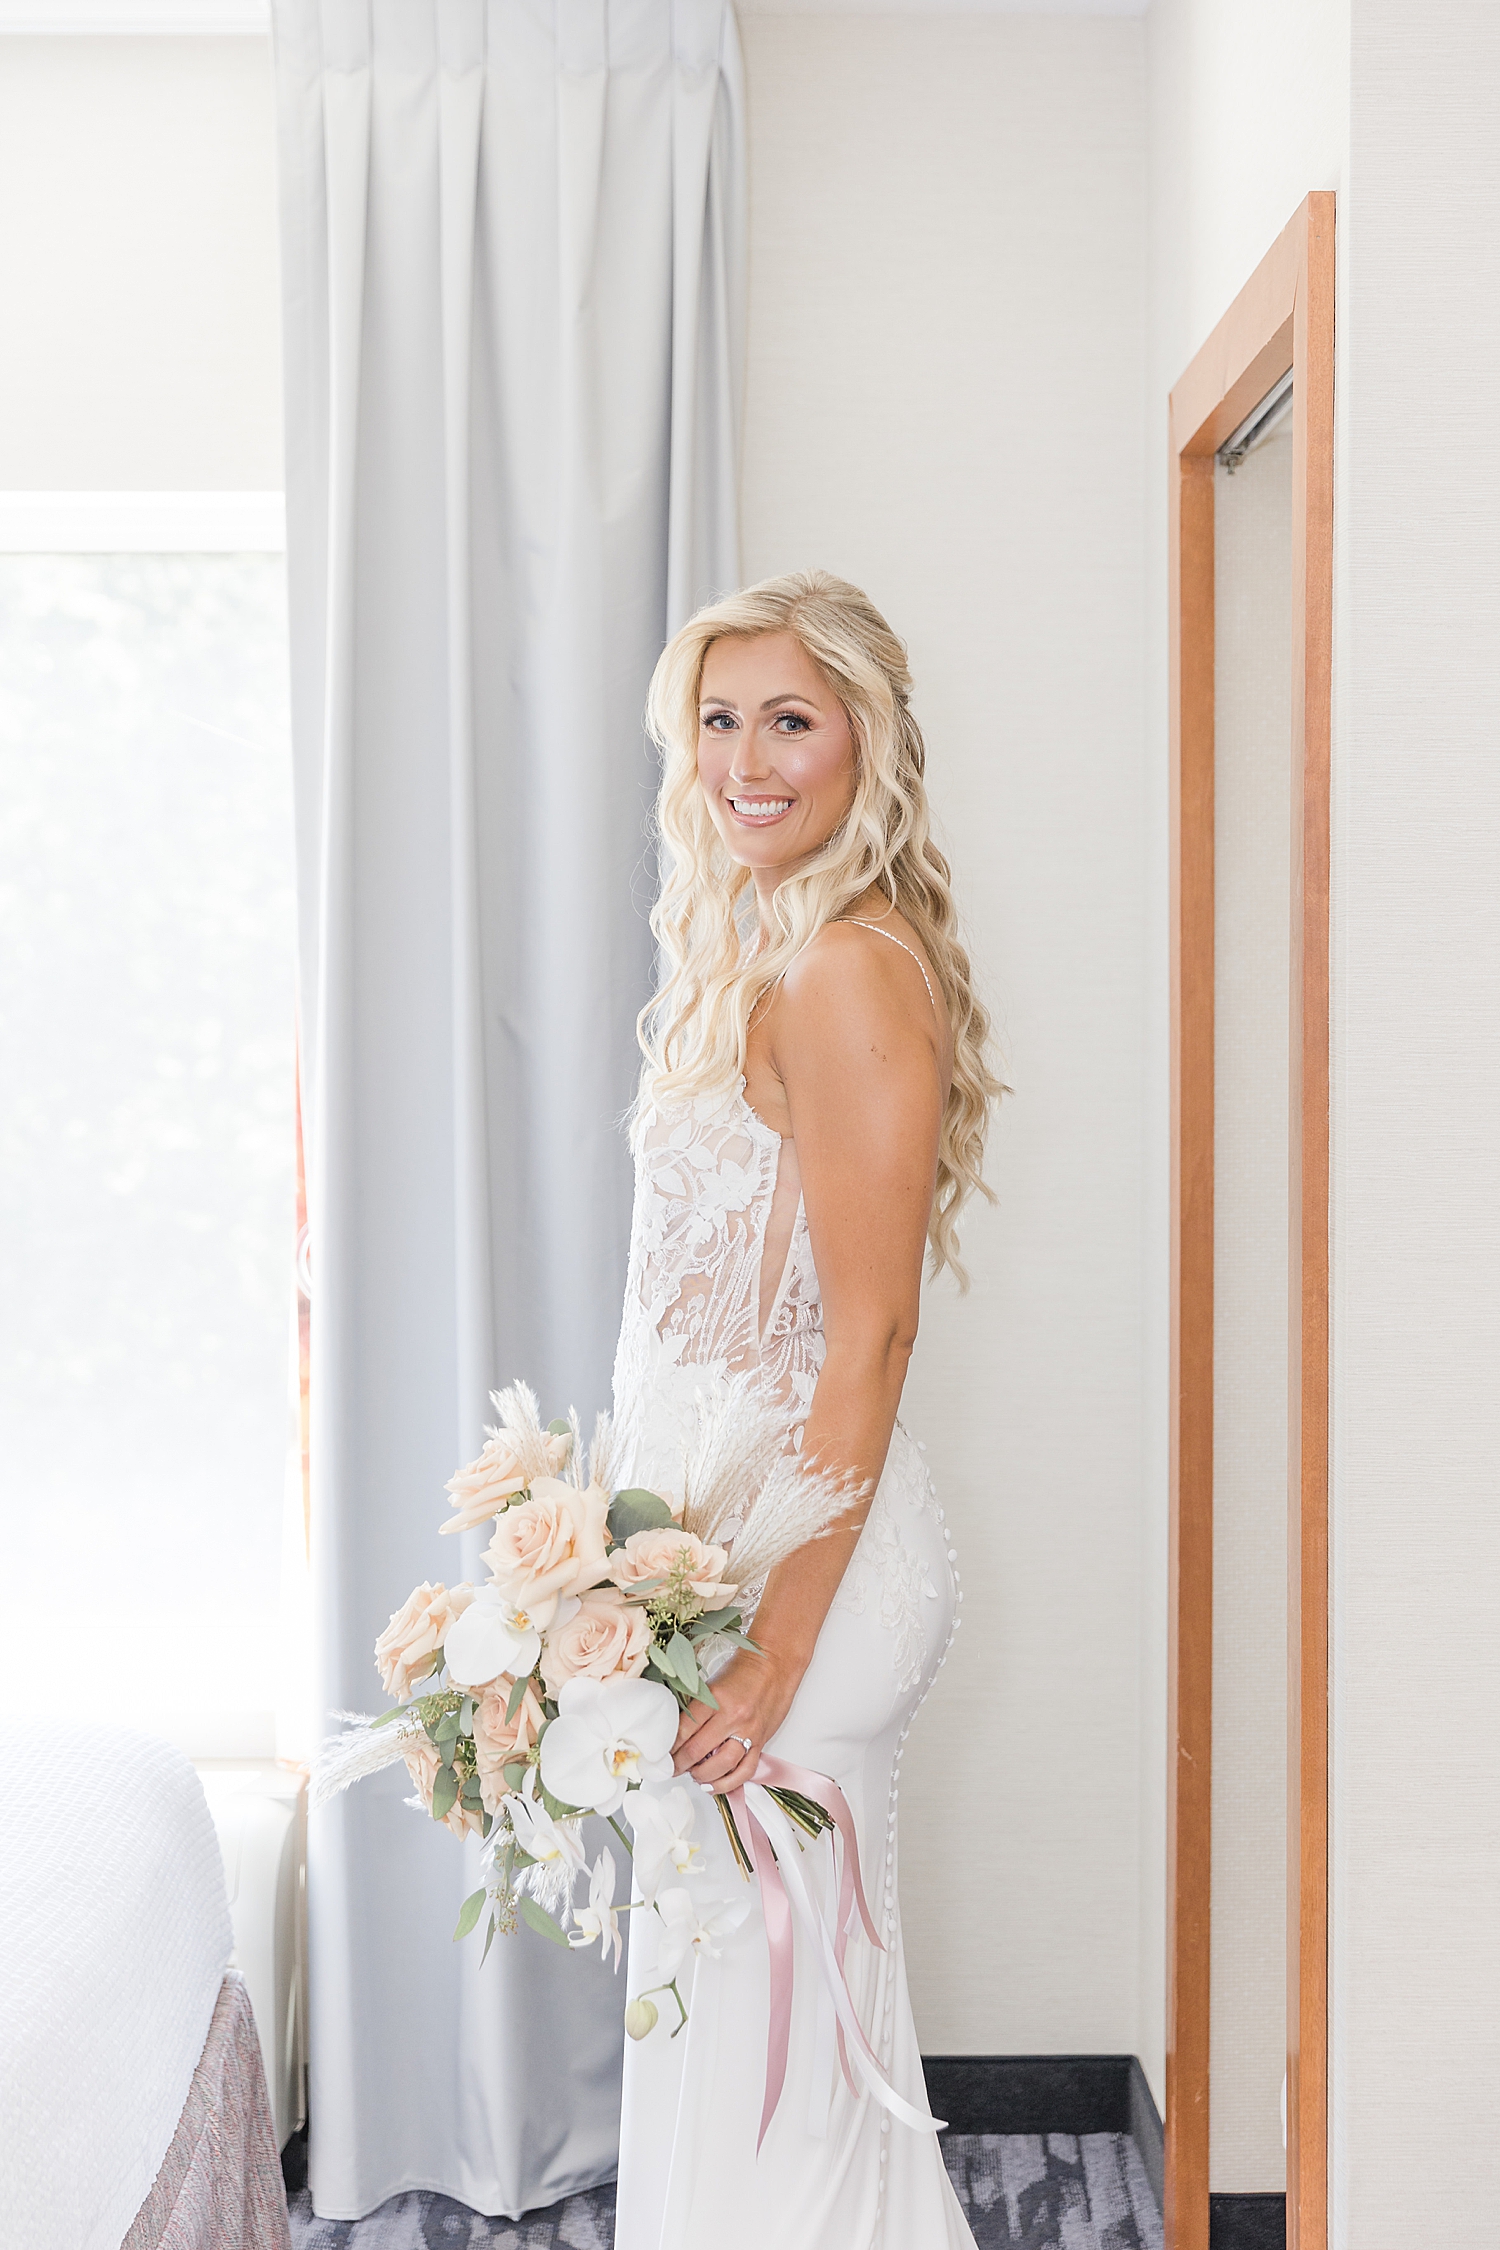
(664, 1842)
(608, 1735)
(495, 1635)
(551, 1842)
(599, 1921)
(696, 1921)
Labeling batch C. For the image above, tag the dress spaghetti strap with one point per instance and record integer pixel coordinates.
(879, 932)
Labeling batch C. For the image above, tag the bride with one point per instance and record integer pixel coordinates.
(813, 1112)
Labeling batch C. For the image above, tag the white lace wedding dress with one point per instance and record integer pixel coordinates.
(721, 1282)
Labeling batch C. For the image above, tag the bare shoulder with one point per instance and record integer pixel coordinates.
(853, 990)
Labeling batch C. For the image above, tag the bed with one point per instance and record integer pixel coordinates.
(133, 2108)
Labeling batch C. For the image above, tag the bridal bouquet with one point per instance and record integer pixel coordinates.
(552, 1690)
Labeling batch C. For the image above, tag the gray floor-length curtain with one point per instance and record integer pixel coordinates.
(513, 290)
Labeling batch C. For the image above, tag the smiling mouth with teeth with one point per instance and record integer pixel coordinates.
(760, 808)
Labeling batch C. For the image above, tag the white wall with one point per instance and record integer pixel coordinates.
(1416, 1147)
(944, 405)
(138, 266)
(1248, 106)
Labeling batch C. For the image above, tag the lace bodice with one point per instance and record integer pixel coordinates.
(721, 1278)
(721, 1282)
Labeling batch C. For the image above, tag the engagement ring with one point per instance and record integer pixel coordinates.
(749, 1745)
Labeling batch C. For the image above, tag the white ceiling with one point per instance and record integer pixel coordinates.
(120, 16)
(941, 7)
(178, 16)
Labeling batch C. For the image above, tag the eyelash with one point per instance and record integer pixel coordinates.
(712, 724)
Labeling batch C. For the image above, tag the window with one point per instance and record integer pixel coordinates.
(146, 1194)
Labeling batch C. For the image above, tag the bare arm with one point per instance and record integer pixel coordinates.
(864, 1077)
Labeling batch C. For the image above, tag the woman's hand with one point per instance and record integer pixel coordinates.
(754, 1691)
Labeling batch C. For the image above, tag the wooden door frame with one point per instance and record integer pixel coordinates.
(1282, 320)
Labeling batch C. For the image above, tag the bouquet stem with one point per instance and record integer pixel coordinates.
(742, 1858)
(811, 1817)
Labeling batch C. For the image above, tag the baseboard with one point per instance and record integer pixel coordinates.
(294, 2161)
(1053, 2094)
(1247, 2222)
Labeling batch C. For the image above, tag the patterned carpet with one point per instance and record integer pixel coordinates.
(1020, 2192)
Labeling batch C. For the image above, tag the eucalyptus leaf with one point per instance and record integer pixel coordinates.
(516, 1693)
(396, 1711)
(468, 1914)
(684, 1663)
(714, 1621)
(562, 1427)
(515, 1773)
(634, 1510)
(444, 1793)
(542, 1921)
(489, 1939)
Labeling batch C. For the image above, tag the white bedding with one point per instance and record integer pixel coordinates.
(114, 1937)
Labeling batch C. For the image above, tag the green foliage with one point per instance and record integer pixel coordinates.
(637, 1510)
(541, 1921)
(444, 1793)
(677, 1668)
(468, 1915)
(516, 1693)
(682, 1660)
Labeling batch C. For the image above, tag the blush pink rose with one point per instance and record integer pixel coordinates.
(483, 1488)
(549, 1545)
(408, 1649)
(605, 1636)
(663, 1553)
(423, 1763)
(498, 1740)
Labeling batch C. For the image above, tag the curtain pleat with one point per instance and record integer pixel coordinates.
(513, 280)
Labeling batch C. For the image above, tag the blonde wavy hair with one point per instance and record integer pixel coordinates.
(694, 1032)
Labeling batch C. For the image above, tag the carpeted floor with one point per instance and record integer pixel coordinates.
(1021, 2193)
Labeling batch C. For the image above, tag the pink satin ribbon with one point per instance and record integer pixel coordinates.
(780, 1773)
